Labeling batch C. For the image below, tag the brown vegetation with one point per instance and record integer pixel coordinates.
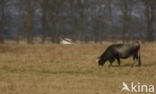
(69, 69)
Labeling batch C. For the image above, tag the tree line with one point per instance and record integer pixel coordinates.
(83, 20)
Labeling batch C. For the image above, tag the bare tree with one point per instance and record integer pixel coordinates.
(81, 8)
(73, 19)
(79, 19)
(56, 17)
(110, 19)
(126, 13)
(149, 19)
(44, 19)
(2, 20)
(153, 16)
(99, 21)
(29, 19)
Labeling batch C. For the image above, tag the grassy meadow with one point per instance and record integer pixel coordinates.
(69, 69)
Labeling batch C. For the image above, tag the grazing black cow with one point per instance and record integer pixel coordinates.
(118, 51)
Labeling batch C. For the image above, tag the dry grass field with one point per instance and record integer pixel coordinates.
(69, 69)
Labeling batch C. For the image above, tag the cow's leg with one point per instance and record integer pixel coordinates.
(134, 57)
(139, 61)
(110, 64)
(118, 59)
(111, 61)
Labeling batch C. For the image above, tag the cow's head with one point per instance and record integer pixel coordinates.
(101, 61)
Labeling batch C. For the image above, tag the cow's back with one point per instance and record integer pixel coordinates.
(126, 50)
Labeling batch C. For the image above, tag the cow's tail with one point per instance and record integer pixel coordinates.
(139, 56)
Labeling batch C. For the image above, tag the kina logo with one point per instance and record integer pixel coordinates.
(137, 87)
